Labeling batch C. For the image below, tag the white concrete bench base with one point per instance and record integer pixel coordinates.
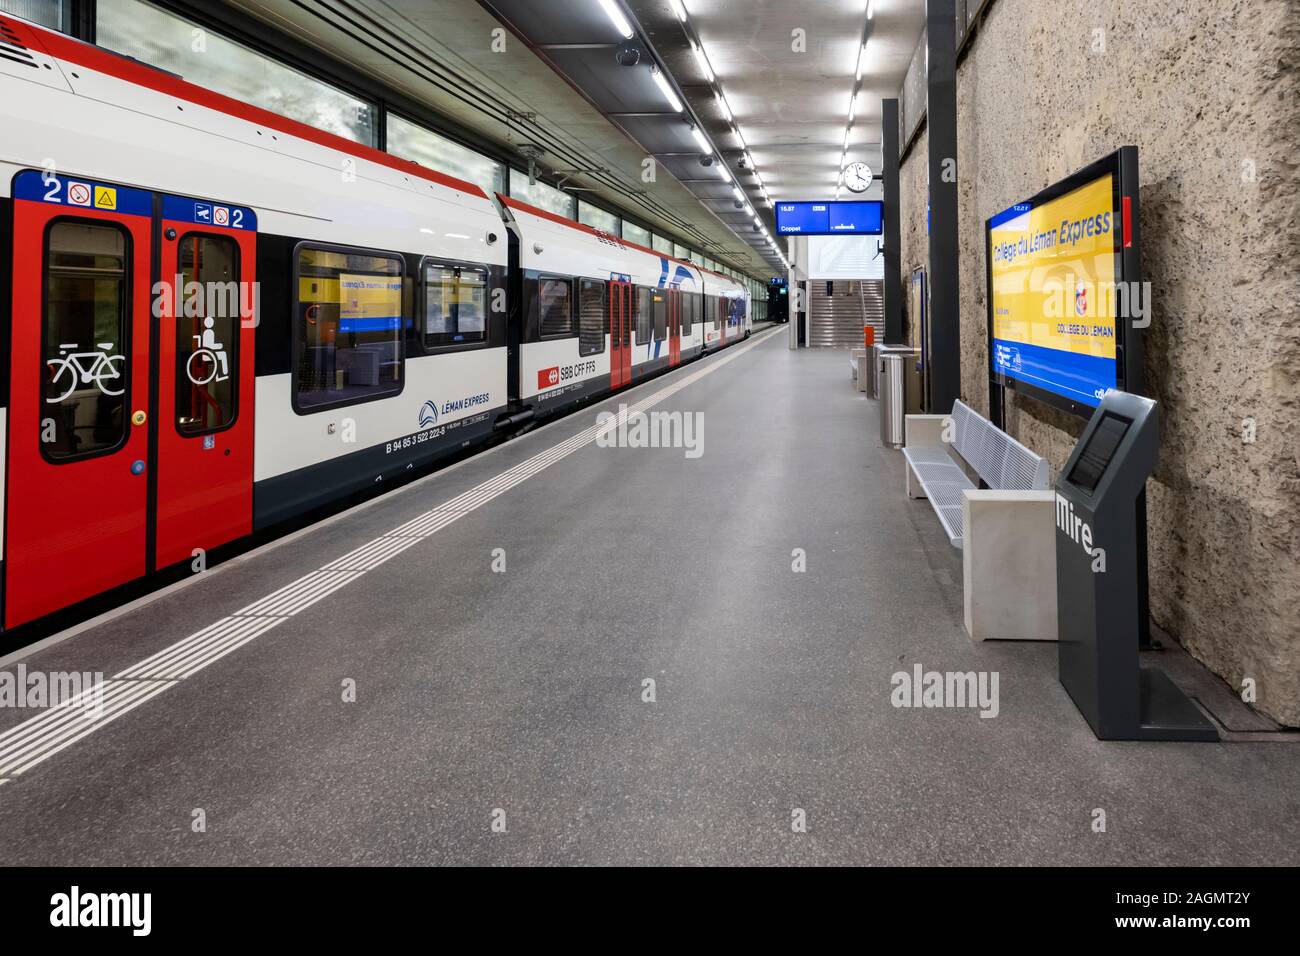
(1009, 565)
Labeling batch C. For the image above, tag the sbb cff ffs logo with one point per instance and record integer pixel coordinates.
(548, 377)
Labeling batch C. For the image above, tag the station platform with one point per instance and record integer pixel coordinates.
(517, 696)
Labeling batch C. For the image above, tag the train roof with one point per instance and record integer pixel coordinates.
(66, 49)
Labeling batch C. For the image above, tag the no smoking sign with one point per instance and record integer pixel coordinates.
(79, 194)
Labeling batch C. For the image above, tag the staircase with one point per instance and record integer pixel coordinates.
(836, 320)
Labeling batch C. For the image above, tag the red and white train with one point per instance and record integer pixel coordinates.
(213, 318)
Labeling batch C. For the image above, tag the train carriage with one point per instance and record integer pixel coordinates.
(214, 318)
(598, 313)
(727, 318)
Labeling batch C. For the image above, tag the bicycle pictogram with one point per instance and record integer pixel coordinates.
(102, 369)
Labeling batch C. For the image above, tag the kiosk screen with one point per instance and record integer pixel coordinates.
(1096, 455)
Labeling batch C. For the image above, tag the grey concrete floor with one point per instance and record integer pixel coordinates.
(522, 691)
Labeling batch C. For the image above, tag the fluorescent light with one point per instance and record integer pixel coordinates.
(735, 191)
(616, 17)
(862, 60)
(661, 81)
(701, 139)
(758, 222)
(871, 7)
(740, 136)
(681, 10)
(703, 61)
(726, 110)
(853, 107)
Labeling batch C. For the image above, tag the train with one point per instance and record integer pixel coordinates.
(215, 319)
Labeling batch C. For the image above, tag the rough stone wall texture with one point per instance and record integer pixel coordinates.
(913, 189)
(1210, 95)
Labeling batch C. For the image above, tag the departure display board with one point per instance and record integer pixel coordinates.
(864, 218)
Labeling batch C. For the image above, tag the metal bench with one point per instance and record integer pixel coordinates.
(996, 458)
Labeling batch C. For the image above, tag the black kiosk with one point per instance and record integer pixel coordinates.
(1101, 580)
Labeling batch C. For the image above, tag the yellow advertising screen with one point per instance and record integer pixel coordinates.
(369, 303)
(1053, 292)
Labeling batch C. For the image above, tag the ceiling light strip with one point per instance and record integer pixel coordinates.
(702, 59)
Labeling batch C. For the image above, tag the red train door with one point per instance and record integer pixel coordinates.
(79, 392)
(86, 365)
(629, 322)
(620, 334)
(615, 336)
(204, 471)
(674, 327)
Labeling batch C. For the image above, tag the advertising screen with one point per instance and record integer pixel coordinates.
(829, 218)
(1058, 290)
(369, 303)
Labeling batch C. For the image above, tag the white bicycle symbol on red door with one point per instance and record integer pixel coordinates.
(86, 368)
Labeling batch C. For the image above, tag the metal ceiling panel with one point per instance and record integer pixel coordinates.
(558, 21)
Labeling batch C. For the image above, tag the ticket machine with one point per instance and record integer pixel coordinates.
(1101, 580)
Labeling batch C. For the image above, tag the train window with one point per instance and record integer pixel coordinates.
(591, 317)
(716, 305)
(643, 318)
(732, 315)
(687, 320)
(162, 39)
(207, 334)
(455, 305)
(349, 315)
(661, 315)
(87, 360)
(554, 306)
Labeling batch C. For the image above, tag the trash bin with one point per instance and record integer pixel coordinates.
(873, 384)
(894, 367)
(872, 366)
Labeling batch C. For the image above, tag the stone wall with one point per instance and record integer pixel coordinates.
(913, 190)
(1210, 95)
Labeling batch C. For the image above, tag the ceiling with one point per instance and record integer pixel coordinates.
(557, 86)
(787, 70)
(792, 107)
(441, 53)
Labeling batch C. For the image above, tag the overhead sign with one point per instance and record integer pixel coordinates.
(863, 218)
